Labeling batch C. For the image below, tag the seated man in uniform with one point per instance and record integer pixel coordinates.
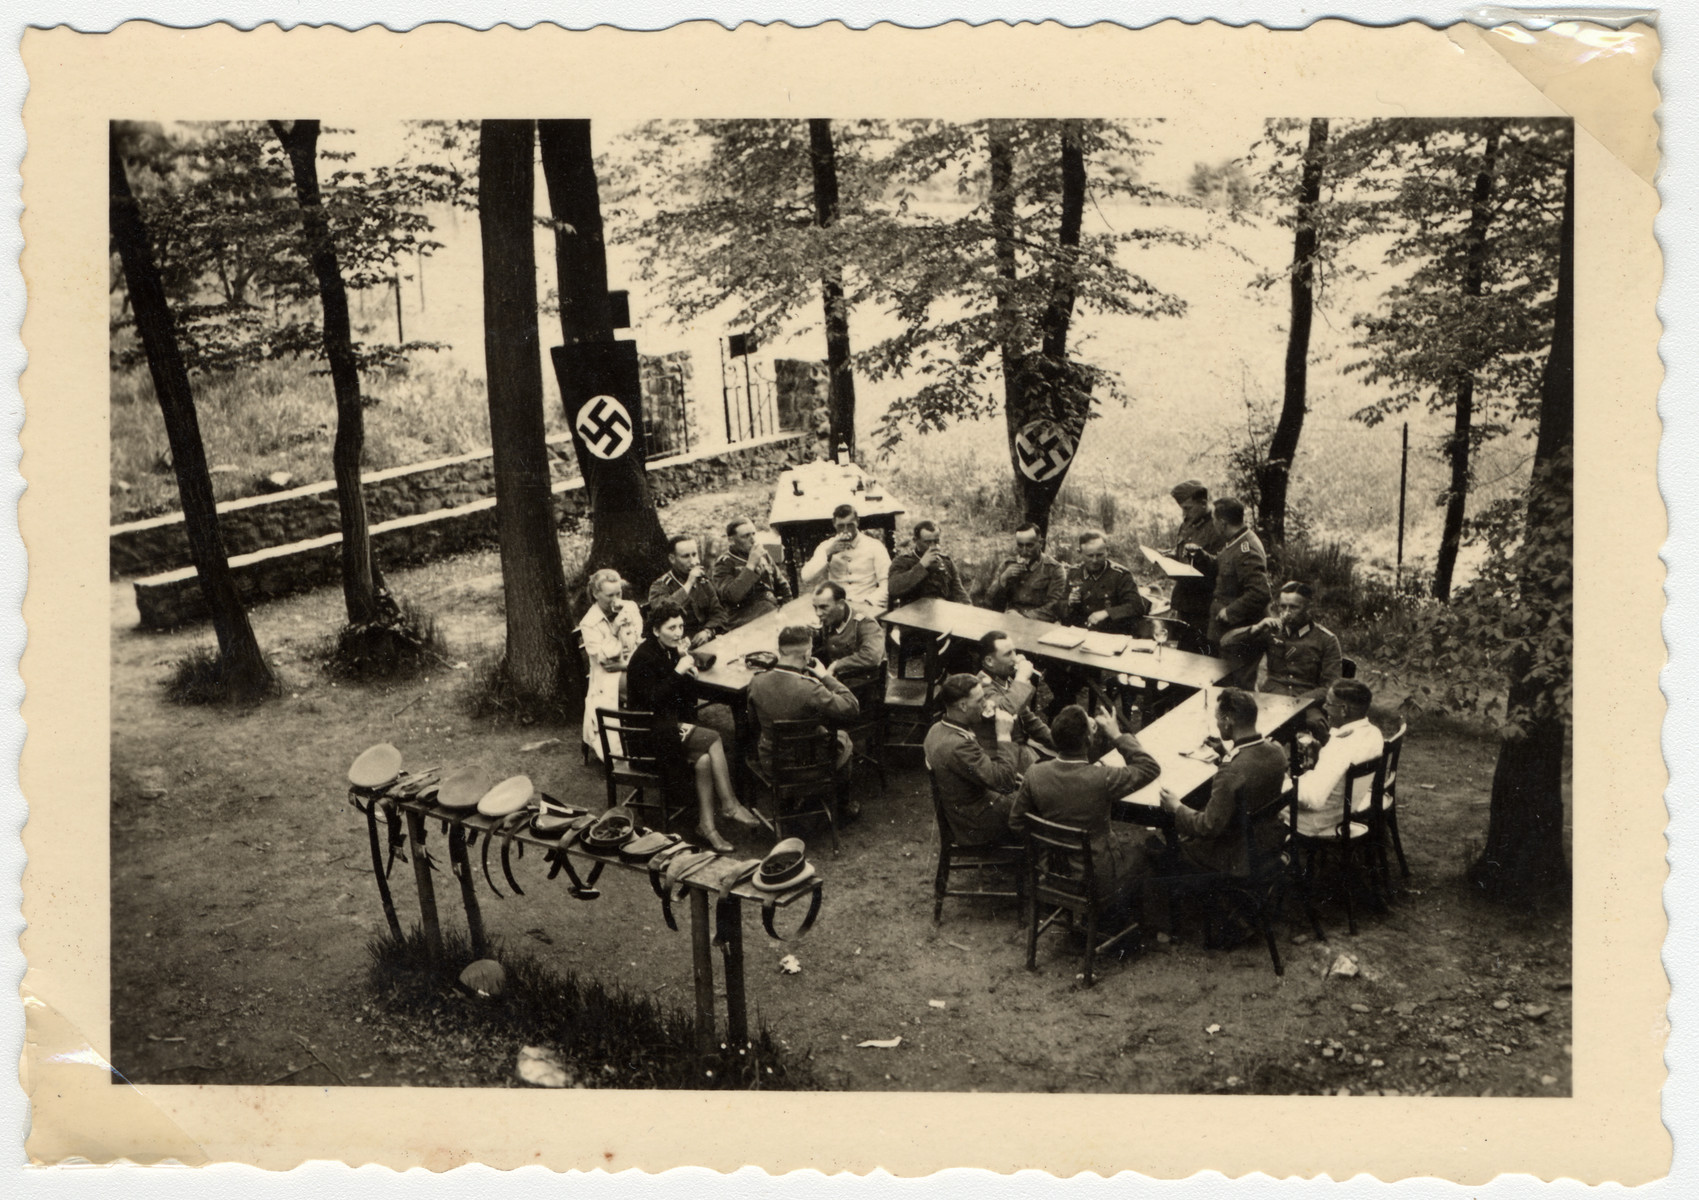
(1303, 655)
(1032, 584)
(852, 647)
(857, 562)
(1355, 740)
(1011, 684)
(1102, 596)
(687, 585)
(748, 580)
(975, 785)
(800, 688)
(1073, 790)
(923, 569)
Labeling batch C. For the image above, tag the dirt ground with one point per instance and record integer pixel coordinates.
(243, 902)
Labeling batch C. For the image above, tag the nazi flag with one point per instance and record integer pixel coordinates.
(605, 426)
(1043, 450)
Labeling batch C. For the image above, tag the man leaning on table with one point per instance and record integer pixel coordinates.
(1031, 584)
(857, 562)
(687, 584)
(975, 785)
(1252, 776)
(749, 582)
(1355, 740)
(1303, 655)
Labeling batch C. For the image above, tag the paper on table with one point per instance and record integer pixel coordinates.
(1062, 639)
(1106, 644)
(1171, 567)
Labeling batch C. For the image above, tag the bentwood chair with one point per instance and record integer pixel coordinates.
(1061, 875)
(1002, 858)
(1353, 842)
(631, 759)
(1253, 897)
(1389, 803)
(803, 779)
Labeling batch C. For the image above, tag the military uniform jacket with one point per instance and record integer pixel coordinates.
(1081, 794)
(1112, 590)
(909, 581)
(1241, 585)
(1015, 698)
(857, 647)
(748, 592)
(788, 693)
(1191, 597)
(1306, 663)
(1252, 777)
(701, 603)
(970, 781)
(1040, 593)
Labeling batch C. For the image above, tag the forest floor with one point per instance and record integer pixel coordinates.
(243, 904)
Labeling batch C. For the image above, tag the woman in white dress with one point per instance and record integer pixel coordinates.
(612, 629)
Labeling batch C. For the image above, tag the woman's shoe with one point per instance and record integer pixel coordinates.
(741, 815)
(715, 842)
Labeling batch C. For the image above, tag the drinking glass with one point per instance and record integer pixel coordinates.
(1159, 635)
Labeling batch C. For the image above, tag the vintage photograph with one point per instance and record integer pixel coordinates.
(846, 604)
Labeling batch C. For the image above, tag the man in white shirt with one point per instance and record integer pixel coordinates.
(855, 561)
(1353, 742)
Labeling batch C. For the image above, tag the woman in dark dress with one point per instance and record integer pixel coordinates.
(661, 678)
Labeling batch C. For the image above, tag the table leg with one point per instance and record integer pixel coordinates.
(462, 863)
(702, 959)
(737, 1008)
(427, 889)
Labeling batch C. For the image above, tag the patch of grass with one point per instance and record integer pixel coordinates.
(198, 678)
(401, 647)
(492, 695)
(606, 1037)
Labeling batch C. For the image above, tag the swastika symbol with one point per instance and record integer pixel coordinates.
(1044, 450)
(605, 426)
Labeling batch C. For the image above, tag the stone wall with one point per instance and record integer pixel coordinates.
(170, 598)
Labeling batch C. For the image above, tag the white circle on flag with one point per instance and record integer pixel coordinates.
(604, 424)
(1044, 449)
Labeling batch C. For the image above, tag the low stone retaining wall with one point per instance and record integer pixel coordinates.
(173, 597)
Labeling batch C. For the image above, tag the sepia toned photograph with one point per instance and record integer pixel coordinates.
(871, 596)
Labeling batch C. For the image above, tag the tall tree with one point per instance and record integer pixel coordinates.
(362, 583)
(626, 530)
(1276, 470)
(1475, 206)
(538, 659)
(1524, 856)
(823, 157)
(244, 672)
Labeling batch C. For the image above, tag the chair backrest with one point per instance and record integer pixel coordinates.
(944, 835)
(629, 742)
(1371, 774)
(804, 757)
(1347, 668)
(1394, 749)
(1053, 850)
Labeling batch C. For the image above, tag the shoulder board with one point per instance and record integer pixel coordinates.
(1115, 566)
(1320, 628)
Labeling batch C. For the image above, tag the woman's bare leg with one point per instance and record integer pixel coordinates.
(704, 772)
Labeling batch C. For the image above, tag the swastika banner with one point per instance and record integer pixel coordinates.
(1043, 450)
(602, 393)
(605, 426)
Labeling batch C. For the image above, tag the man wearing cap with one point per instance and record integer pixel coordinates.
(1241, 572)
(800, 688)
(1031, 584)
(688, 586)
(1303, 655)
(857, 562)
(975, 786)
(1191, 596)
(749, 583)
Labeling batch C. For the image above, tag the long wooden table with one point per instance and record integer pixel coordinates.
(464, 826)
(1172, 737)
(804, 521)
(1169, 665)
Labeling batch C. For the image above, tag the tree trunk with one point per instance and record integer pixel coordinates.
(841, 380)
(1524, 858)
(1045, 385)
(1458, 445)
(244, 671)
(538, 657)
(1283, 447)
(626, 531)
(361, 581)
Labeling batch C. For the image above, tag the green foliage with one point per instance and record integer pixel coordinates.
(198, 678)
(404, 643)
(219, 202)
(606, 1037)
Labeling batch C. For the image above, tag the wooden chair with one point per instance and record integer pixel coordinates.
(630, 759)
(909, 701)
(804, 778)
(1256, 894)
(1347, 668)
(1060, 872)
(1353, 839)
(1389, 796)
(868, 730)
(953, 856)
